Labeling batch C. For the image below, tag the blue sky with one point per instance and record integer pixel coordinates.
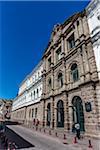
(25, 29)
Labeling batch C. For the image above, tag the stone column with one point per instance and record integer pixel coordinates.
(44, 78)
(86, 63)
(52, 57)
(52, 113)
(45, 116)
(64, 74)
(66, 111)
(76, 33)
(62, 46)
(85, 27)
(68, 78)
(43, 105)
(44, 63)
(81, 32)
(82, 71)
(44, 86)
(55, 117)
(52, 77)
(65, 45)
(25, 114)
(54, 54)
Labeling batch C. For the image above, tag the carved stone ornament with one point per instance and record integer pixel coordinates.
(56, 33)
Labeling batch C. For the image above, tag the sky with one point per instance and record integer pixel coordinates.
(25, 29)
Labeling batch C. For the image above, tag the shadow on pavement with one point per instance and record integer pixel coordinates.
(11, 123)
(14, 138)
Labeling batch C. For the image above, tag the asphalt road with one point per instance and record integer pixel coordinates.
(39, 140)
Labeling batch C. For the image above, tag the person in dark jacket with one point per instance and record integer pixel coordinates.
(73, 128)
(77, 127)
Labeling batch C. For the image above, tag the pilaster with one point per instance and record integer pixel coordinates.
(82, 71)
(76, 34)
(81, 32)
(86, 63)
(52, 113)
(62, 46)
(66, 111)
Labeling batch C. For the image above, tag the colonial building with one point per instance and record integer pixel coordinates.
(26, 105)
(69, 89)
(70, 78)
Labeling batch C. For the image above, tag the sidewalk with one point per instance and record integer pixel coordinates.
(69, 139)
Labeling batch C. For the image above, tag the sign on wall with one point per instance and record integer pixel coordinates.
(88, 106)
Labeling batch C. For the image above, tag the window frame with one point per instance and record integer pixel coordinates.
(49, 62)
(58, 54)
(60, 80)
(50, 83)
(70, 40)
(75, 72)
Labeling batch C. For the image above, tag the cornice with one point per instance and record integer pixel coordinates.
(73, 89)
(71, 20)
(32, 72)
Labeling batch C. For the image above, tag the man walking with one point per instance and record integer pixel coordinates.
(77, 127)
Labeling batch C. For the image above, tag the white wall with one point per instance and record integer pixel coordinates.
(26, 96)
(93, 16)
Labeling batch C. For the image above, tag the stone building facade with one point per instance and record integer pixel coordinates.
(70, 81)
(26, 105)
(70, 78)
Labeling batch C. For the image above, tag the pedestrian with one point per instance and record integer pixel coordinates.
(33, 122)
(73, 128)
(77, 127)
(37, 122)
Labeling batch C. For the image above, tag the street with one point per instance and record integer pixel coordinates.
(14, 139)
(41, 141)
(24, 138)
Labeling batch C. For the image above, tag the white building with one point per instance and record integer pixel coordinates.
(29, 94)
(93, 16)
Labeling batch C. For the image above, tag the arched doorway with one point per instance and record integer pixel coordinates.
(78, 114)
(48, 114)
(60, 114)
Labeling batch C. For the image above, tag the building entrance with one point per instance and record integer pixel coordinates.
(78, 113)
(60, 114)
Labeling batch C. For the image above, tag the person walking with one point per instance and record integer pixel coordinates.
(77, 127)
(73, 128)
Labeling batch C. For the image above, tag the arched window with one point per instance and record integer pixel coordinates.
(78, 112)
(48, 114)
(60, 79)
(60, 114)
(74, 72)
(49, 84)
